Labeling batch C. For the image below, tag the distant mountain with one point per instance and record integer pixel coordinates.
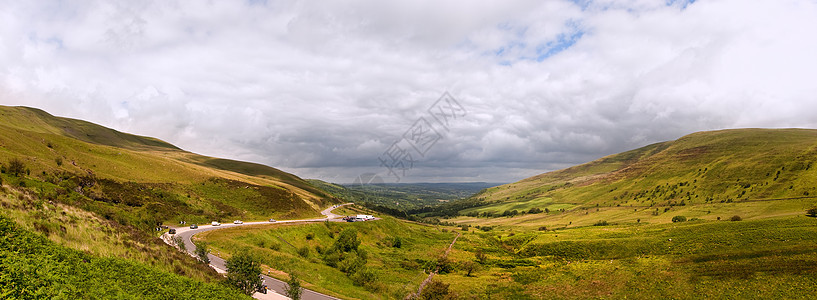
(705, 168)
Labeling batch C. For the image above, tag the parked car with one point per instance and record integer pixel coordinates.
(272, 220)
(238, 222)
(194, 226)
(215, 223)
(172, 231)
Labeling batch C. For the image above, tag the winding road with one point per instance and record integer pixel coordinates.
(273, 284)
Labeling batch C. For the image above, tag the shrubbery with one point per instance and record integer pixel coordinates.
(35, 268)
(677, 219)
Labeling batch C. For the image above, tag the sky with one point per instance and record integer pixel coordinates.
(414, 91)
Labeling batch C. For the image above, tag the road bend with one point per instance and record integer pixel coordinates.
(220, 265)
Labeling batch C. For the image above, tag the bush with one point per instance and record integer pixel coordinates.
(310, 236)
(444, 265)
(180, 243)
(202, 251)
(601, 223)
(543, 228)
(469, 267)
(812, 212)
(397, 242)
(350, 264)
(677, 219)
(303, 251)
(347, 241)
(480, 257)
(364, 276)
(435, 289)
(735, 218)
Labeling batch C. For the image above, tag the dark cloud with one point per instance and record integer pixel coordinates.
(323, 89)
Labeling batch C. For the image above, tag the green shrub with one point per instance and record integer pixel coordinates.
(347, 241)
(812, 212)
(364, 276)
(601, 223)
(303, 251)
(735, 218)
(677, 219)
(397, 242)
(310, 236)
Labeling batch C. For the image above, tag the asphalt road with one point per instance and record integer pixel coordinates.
(273, 284)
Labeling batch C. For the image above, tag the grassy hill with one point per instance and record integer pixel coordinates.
(103, 192)
(128, 176)
(748, 172)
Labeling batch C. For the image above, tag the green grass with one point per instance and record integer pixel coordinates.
(33, 267)
(398, 270)
(771, 258)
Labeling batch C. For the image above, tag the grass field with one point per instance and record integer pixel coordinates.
(763, 258)
(398, 271)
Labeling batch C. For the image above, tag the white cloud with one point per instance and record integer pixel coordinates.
(322, 89)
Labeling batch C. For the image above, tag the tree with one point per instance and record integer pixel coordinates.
(735, 218)
(180, 243)
(16, 167)
(347, 241)
(812, 212)
(677, 219)
(293, 289)
(444, 265)
(244, 273)
(202, 251)
(469, 267)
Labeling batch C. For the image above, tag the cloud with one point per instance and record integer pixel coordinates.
(323, 89)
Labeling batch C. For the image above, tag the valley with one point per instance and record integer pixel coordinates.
(720, 214)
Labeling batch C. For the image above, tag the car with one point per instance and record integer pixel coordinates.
(172, 231)
(272, 220)
(238, 222)
(194, 226)
(215, 223)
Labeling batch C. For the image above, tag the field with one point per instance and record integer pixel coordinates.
(763, 258)
(394, 271)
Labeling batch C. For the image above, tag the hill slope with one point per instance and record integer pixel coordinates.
(119, 168)
(706, 170)
(104, 192)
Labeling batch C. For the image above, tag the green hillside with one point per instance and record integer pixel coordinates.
(145, 176)
(32, 267)
(103, 192)
(751, 172)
